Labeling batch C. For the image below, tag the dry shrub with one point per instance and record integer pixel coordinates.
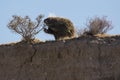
(25, 27)
(97, 26)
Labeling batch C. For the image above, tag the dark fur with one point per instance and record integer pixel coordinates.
(59, 27)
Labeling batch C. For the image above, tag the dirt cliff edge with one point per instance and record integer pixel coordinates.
(84, 58)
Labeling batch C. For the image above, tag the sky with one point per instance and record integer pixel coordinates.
(78, 11)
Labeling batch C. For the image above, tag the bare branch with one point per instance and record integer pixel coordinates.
(97, 26)
(25, 27)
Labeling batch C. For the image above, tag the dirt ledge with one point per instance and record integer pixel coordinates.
(84, 58)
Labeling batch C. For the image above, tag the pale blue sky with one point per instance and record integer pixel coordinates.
(78, 11)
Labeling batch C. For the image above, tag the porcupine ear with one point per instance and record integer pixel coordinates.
(46, 20)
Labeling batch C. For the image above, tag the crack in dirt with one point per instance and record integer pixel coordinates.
(27, 61)
(34, 53)
(100, 60)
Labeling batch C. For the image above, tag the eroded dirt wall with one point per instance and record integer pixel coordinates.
(77, 59)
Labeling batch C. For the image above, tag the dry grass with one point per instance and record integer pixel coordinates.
(96, 26)
(104, 35)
